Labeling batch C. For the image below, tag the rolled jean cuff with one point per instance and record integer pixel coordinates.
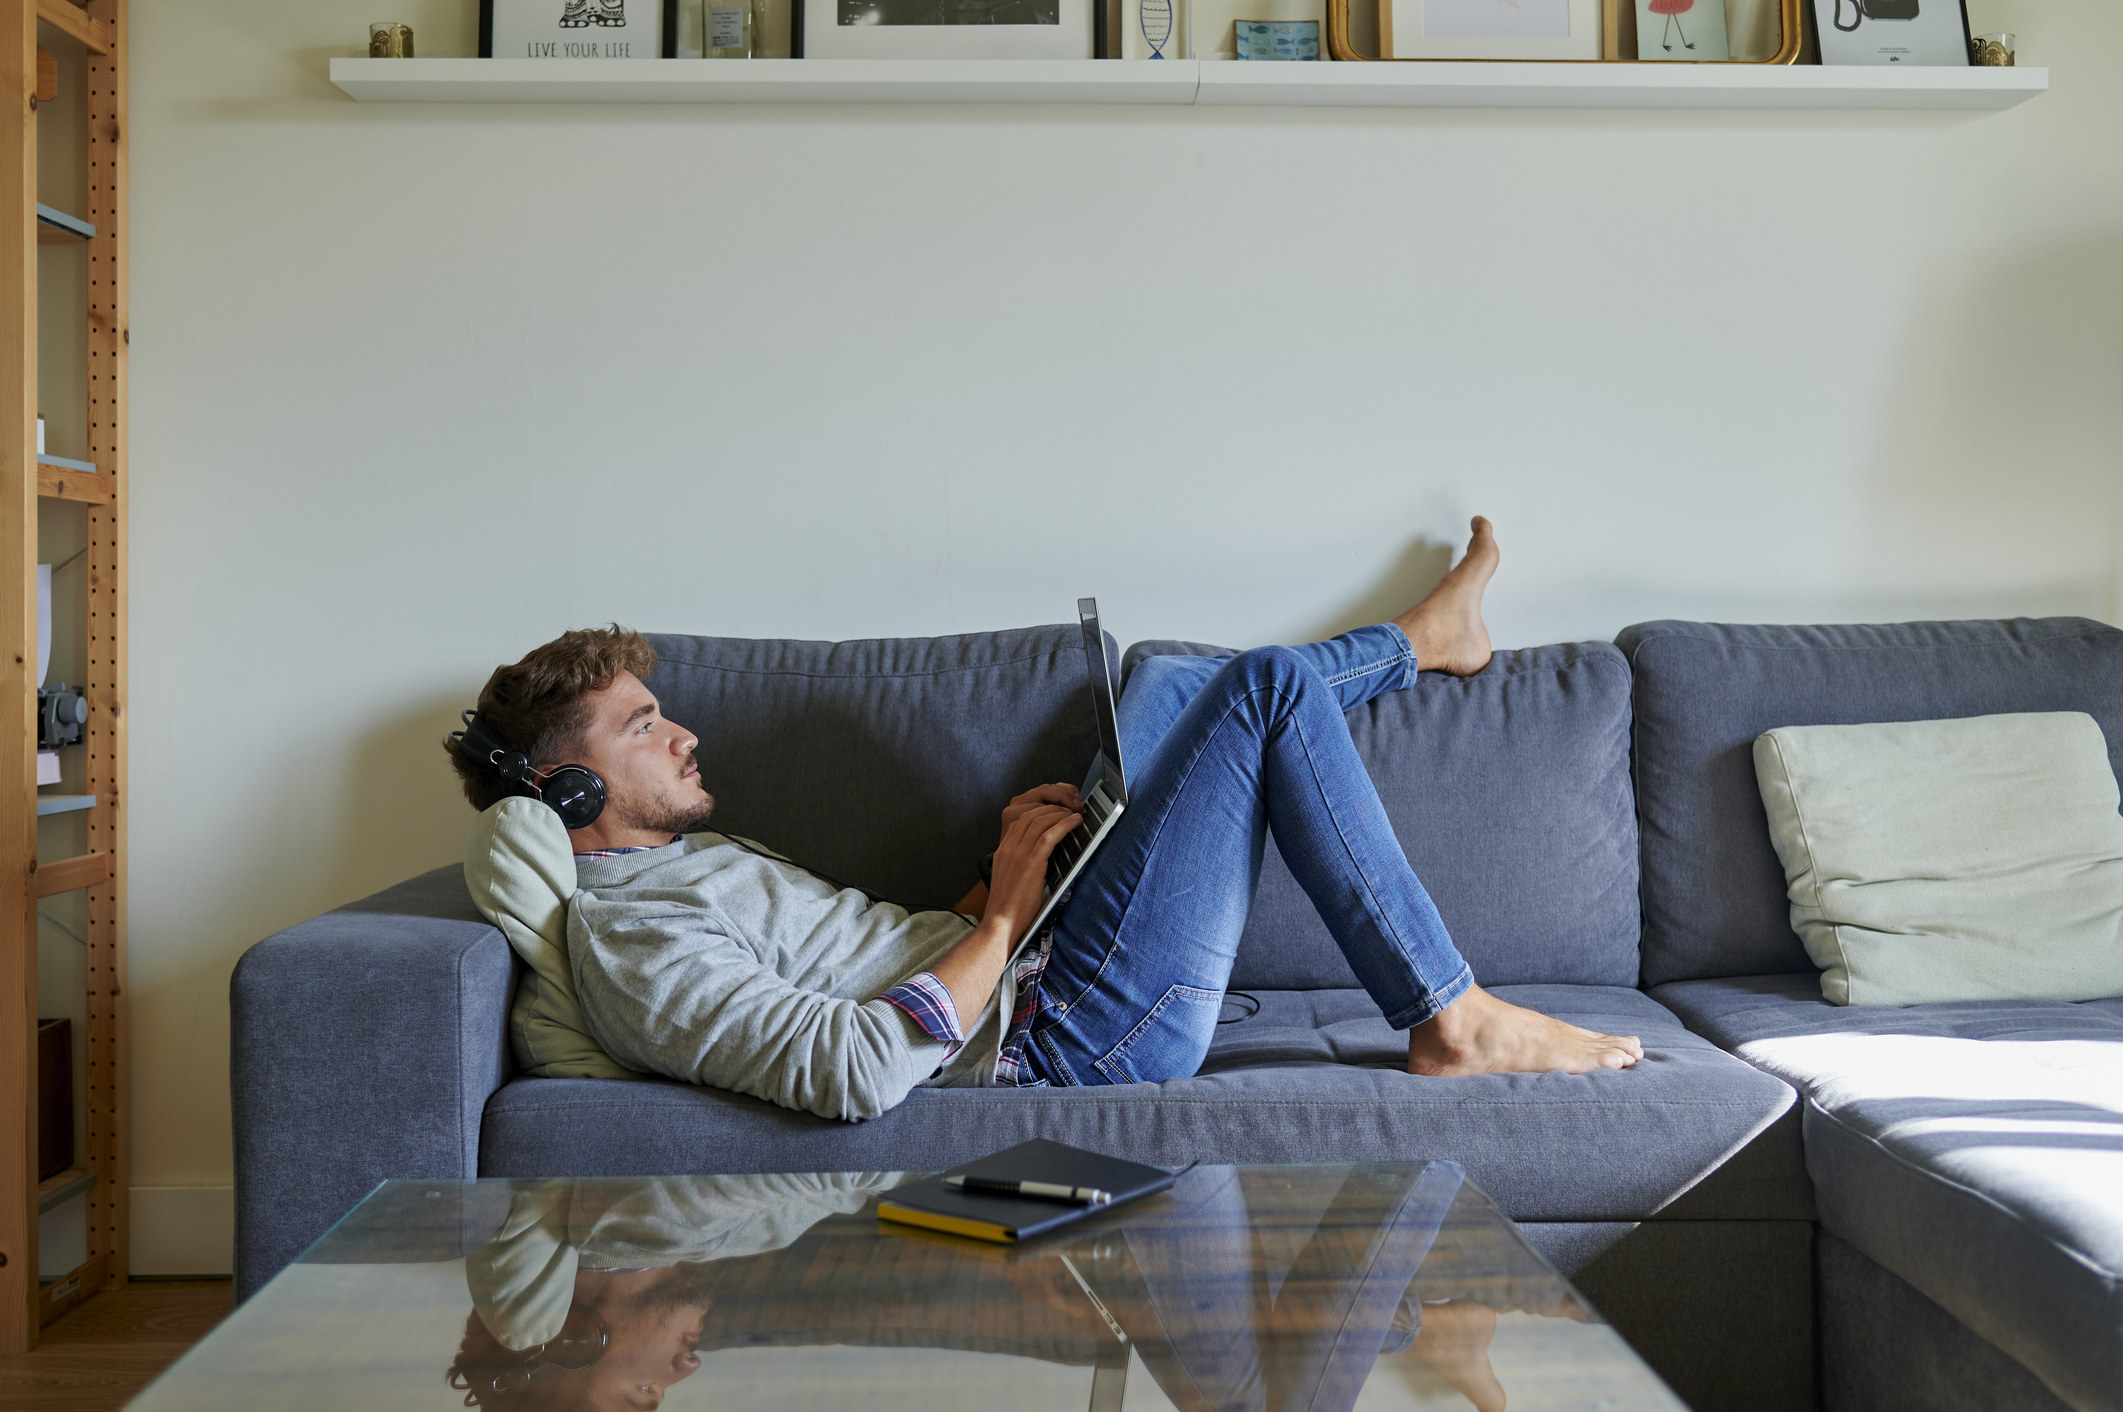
(1384, 660)
(1413, 665)
(1427, 1008)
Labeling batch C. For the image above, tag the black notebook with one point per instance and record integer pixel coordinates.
(931, 1204)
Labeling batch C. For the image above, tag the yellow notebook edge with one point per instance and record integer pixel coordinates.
(951, 1225)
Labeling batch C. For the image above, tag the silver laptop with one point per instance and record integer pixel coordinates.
(1105, 789)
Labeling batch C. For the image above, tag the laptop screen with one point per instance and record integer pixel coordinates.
(1101, 672)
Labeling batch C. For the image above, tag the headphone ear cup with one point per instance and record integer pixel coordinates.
(574, 792)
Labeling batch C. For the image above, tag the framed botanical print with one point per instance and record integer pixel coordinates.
(1490, 29)
(950, 29)
(573, 29)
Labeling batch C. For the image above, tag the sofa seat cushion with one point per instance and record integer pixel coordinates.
(1314, 1076)
(1974, 1149)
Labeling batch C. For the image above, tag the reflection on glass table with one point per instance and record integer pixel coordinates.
(1331, 1289)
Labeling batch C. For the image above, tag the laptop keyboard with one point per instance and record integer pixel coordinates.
(1097, 808)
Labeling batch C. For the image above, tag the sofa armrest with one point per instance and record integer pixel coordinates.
(364, 1045)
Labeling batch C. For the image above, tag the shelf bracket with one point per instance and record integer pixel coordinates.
(73, 21)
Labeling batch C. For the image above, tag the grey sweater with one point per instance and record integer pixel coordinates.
(722, 966)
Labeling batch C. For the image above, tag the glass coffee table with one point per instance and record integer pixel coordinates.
(1326, 1288)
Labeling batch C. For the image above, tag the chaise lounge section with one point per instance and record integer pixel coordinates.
(1967, 1158)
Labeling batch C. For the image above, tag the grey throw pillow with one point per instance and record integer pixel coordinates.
(1969, 859)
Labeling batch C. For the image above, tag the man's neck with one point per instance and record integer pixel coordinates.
(602, 838)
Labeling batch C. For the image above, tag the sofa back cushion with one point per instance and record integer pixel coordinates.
(882, 764)
(1714, 890)
(1509, 791)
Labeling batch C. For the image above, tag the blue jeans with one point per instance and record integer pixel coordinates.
(1219, 752)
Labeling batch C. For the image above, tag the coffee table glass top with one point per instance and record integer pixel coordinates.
(1331, 1288)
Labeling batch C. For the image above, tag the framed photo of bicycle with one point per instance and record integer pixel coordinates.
(574, 29)
(1905, 33)
(950, 29)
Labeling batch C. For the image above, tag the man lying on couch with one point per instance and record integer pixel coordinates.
(711, 960)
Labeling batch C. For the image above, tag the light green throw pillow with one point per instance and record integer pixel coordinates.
(1976, 859)
(521, 872)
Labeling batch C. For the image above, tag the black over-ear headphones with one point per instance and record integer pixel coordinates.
(575, 792)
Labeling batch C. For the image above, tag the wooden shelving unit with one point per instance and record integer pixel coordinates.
(30, 32)
(1179, 82)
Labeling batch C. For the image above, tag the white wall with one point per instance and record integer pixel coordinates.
(416, 388)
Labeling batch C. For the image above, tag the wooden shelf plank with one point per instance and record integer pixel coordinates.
(64, 803)
(64, 1187)
(56, 1297)
(71, 874)
(1183, 82)
(60, 480)
(70, 19)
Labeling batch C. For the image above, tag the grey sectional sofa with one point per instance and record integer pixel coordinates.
(1770, 1207)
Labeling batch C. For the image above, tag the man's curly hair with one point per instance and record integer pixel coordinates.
(537, 706)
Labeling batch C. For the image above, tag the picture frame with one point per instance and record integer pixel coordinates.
(563, 30)
(1899, 33)
(1757, 32)
(1682, 32)
(1569, 30)
(949, 29)
(1212, 25)
(1154, 29)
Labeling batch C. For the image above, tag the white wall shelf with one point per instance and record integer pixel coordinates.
(1181, 82)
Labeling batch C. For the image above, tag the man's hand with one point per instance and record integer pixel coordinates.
(1033, 824)
(975, 902)
(1062, 794)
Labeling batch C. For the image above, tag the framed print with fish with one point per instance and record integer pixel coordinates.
(1490, 29)
(1213, 25)
(950, 29)
(573, 29)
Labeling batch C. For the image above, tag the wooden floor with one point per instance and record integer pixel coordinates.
(96, 1357)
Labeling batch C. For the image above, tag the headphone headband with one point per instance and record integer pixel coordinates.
(575, 792)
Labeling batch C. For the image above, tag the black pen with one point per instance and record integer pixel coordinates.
(1043, 1191)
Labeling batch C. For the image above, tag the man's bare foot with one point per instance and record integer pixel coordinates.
(1453, 1345)
(1446, 628)
(1480, 1034)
